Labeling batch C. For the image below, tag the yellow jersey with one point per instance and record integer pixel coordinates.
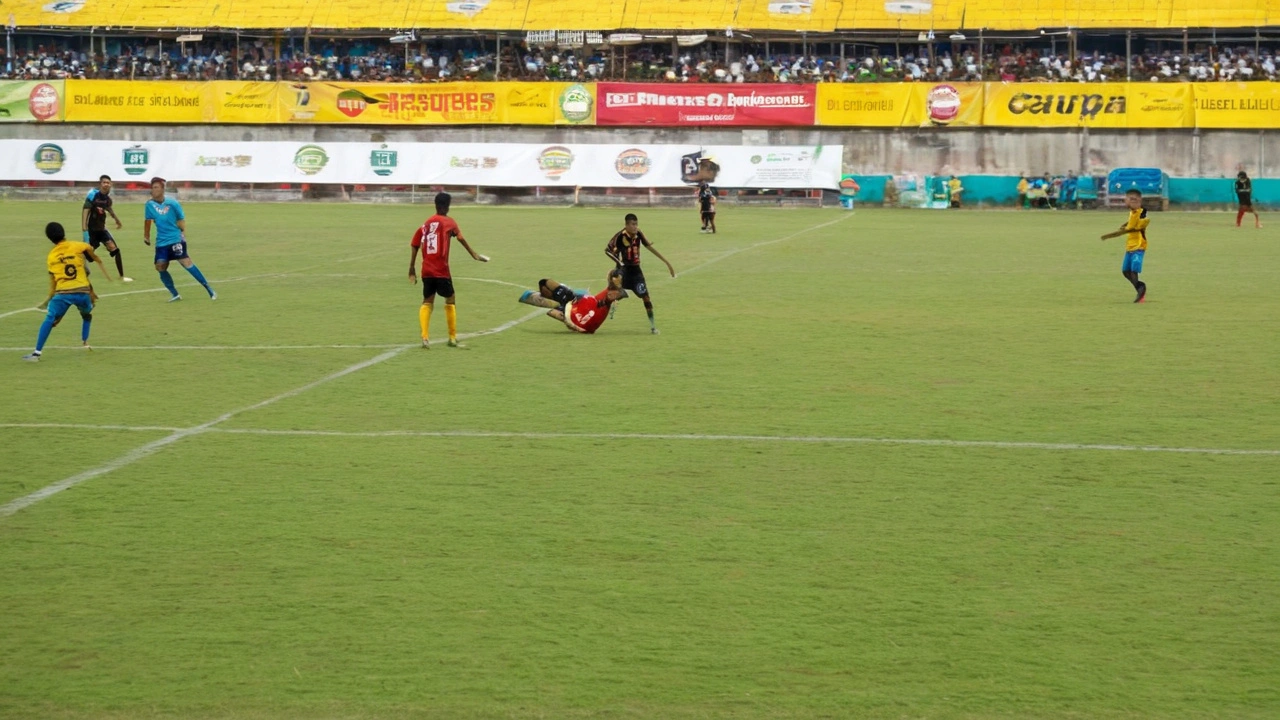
(1137, 229)
(66, 265)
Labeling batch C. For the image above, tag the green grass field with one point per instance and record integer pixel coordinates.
(878, 464)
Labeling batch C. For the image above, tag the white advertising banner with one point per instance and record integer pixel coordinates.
(490, 165)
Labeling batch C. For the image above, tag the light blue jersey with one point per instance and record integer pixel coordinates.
(166, 215)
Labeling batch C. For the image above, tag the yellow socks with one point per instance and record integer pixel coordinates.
(451, 315)
(424, 319)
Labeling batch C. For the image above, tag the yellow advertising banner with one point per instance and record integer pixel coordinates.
(139, 101)
(255, 103)
(1161, 105)
(1039, 105)
(863, 104)
(945, 105)
(459, 103)
(900, 104)
(1104, 105)
(1238, 105)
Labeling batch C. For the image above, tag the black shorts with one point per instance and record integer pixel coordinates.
(1245, 200)
(633, 280)
(437, 286)
(99, 237)
(708, 215)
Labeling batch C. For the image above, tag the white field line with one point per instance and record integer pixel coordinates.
(155, 446)
(735, 251)
(660, 437)
(374, 346)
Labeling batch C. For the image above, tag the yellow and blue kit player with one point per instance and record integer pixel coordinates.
(68, 285)
(171, 241)
(1135, 249)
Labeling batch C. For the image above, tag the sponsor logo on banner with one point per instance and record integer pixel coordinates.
(136, 159)
(750, 104)
(473, 163)
(695, 168)
(632, 164)
(310, 159)
(227, 161)
(301, 101)
(575, 103)
(1085, 106)
(64, 7)
(43, 102)
(50, 158)
(470, 8)
(384, 161)
(555, 161)
(353, 102)
(943, 104)
(791, 8)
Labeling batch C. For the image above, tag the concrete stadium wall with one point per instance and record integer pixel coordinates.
(979, 151)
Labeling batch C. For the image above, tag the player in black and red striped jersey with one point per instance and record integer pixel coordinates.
(1244, 195)
(624, 250)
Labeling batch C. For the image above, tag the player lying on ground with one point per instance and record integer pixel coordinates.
(578, 311)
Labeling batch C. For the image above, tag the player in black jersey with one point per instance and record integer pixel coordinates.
(707, 205)
(1244, 195)
(624, 250)
(93, 222)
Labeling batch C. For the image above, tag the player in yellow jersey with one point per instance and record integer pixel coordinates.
(68, 285)
(1135, 228)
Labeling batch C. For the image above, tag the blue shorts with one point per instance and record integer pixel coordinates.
(176, 251)
(60, 303)
(1133, 261)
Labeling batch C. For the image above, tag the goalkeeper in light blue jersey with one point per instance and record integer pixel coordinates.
(171, 241)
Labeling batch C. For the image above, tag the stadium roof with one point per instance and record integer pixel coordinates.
(758, 15)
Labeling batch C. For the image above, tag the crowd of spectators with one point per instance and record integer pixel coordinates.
(359, 61)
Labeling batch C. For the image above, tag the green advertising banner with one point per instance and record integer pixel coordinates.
(39, 101)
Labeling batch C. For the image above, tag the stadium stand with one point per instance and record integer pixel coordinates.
(819, 16)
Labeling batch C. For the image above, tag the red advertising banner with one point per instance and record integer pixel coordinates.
(705, 104)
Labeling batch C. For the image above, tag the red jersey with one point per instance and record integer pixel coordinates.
(433, 237)
(589, 312)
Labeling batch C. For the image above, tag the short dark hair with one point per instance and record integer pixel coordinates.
(158, 179)
(443, 201)
(629, 217)
(104, 177)
(1242, 174)
(54, 232)
(1133, 191)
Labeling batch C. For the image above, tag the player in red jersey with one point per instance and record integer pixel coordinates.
(433, 239)
(579, 312)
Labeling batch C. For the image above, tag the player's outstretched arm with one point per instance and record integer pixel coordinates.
(670, 269)
(94, 257)
(53, 285)
(413, 261)
(116, 218)
(474, 255)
